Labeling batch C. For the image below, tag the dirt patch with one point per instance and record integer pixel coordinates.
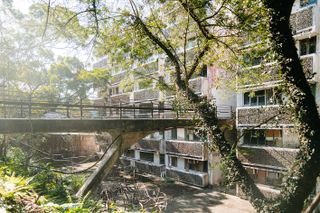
(127, 191)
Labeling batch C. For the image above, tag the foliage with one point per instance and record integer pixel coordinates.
(40, 187)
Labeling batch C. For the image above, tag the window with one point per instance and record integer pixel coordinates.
(130, 153)
(191, 135)
(269, 137)
(273, 178)
(304, 3)
(162, 159)
(262, 97)
(147, 156)
(273, 137)
(257, 99)
(273, 97)
(174, 134)
(253, 173)
(114, 91)
(308, 46)
(203, 71)
(256, 137)
(173, 161)
(195, 165)
(254, 58)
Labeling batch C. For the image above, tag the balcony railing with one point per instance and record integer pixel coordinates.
(309, 64)
(116, 78)
(266, 156)
(269, 73)
(150, 168)
(199, 85)
(258, 75)
(304, 19)
(262, 116)
(149, 144)
(194, 178)
(187, 148)
(120, 98)
(145, 94)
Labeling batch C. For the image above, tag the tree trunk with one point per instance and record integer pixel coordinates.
(315, 202)
(301, 179)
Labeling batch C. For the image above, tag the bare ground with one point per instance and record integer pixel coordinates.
(131, 193)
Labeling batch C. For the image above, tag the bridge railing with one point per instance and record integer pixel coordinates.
(46, 110)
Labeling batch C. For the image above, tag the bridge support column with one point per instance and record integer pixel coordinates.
(118, 147)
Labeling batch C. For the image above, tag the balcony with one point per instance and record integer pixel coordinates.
(194, 178)
(145, 94)
(266, 156)
(268, 191)
(151, 168)
(304, 20)
(149, 144)
(187, 149)
(123, 98)
(258, 75)
(116, 78)
(262, 116)
(199, 85)
(269, 73)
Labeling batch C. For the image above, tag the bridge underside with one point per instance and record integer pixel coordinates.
(125, 132)
(11, 126)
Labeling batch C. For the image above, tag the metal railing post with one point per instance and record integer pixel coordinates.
(120, 105)
(68, 108)
(134, 111)
(81, 111)
(4, 110)
(151, 109)
(21, 109)
(30, 110)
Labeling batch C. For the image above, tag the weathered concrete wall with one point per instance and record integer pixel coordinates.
(268, 156)
(71, 145)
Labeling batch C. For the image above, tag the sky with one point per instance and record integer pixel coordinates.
(59, 49)
(22, 5)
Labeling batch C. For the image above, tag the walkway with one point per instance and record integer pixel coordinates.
(191, 199)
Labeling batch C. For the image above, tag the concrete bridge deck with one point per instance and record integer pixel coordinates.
(34, 125)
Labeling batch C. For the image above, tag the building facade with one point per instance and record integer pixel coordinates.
(177, 153)
(269, 141)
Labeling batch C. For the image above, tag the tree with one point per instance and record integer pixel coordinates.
(212, 25)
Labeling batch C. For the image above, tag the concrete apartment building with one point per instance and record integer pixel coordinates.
(267, 149)
(177, 153)
(268, 141)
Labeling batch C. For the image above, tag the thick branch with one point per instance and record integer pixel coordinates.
(197, 61)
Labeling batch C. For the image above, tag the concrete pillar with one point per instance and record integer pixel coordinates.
(166, 160)
(137, 154)
(180, 163)
(156, 158)
(119, 146)
(214, 171)
(180, 134)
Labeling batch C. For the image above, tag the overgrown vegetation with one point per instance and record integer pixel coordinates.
(38, 188)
